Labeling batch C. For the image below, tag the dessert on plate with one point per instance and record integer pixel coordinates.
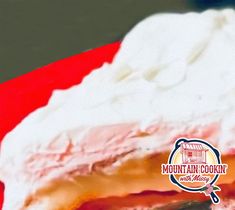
(100, 144)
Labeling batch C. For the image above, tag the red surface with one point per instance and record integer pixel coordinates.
(20, 96)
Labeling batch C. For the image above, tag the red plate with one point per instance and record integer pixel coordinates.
(20, 96)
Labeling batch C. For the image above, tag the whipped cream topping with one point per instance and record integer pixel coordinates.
(174, 71)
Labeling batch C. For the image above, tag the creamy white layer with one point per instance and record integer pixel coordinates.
(173, 75)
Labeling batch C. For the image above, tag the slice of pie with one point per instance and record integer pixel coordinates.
(100, 145)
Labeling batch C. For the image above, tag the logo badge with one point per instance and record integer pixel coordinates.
(194, 165)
